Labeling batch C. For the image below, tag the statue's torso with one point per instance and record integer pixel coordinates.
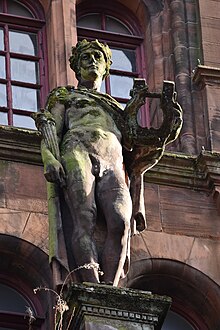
(89, 126)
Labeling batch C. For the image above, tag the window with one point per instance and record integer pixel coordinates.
(22, 68)
(13, 310)
(123, 36)
(174, 321)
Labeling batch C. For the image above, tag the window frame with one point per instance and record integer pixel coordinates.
(31, 25)
(131, 42)
(19, 321)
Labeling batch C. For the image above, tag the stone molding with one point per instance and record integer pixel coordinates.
(20, 145)
(201, 172)
(116, 307)
(118, 314)
(204, 75)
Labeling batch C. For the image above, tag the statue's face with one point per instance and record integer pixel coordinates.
(92, 65)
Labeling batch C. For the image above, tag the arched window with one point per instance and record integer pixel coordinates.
(16, 310)
(194, 307)
(22, 65)
(174, 321)
(20, 274)
(121, 31)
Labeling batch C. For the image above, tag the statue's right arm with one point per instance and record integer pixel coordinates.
(53, 169)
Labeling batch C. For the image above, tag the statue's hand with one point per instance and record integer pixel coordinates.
(139, 91)
(54, 172)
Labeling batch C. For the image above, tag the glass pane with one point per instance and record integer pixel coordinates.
(15, 8)
(174, 321)
(1, 39)
(3, 118)
(3, 98)
(23, 43)
(11, 300)
(24, 122)
(124, 60)
(114, 25)
(24, 98)
(92, 21)
(121, 86)
(102, 89)
(2, 67)
(26, 71)
(1, 7)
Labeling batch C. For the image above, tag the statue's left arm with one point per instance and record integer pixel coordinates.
(145, 146)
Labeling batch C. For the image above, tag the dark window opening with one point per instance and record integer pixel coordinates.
(14, 310)
(174, 321)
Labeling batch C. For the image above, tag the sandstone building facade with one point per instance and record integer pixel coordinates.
(178, 255)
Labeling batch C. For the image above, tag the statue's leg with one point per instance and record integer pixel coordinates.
(115, 201)
(80, 197)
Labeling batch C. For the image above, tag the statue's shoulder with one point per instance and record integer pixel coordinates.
(59, 95)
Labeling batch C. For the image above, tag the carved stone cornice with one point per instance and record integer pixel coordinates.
(99, 306)
(200, 172)
(20, 145)
(204, 75)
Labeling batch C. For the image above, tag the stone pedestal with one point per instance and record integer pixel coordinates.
(103, 307)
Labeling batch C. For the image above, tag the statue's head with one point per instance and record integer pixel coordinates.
(83, 47)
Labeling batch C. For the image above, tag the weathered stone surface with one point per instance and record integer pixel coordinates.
(19, 144)
(12, 222)
(36, 230)
(187, 212)
(105, 307)
(152, 206)
(32, 227)
(139, 248)
(24, 203)
(209, 8)
(62, 13)
(25, 188)
(25, 180)
(161, 245)
(205, 257)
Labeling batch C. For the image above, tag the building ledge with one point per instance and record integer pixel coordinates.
(204, 75)
(199, 172)
(21, 145)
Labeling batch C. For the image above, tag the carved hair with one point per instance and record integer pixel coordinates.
(83, 45)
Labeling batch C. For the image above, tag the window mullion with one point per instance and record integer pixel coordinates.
(103, 21)
(8, 76)
(108, 86)
(41, 64)
(4, 6)
(24, 57)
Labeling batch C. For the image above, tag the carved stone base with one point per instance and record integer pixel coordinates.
(103, 307)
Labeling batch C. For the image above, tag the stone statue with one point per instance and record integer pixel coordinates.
(95, 154)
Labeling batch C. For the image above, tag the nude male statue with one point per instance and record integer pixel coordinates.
(92, 130)
(92, 165)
